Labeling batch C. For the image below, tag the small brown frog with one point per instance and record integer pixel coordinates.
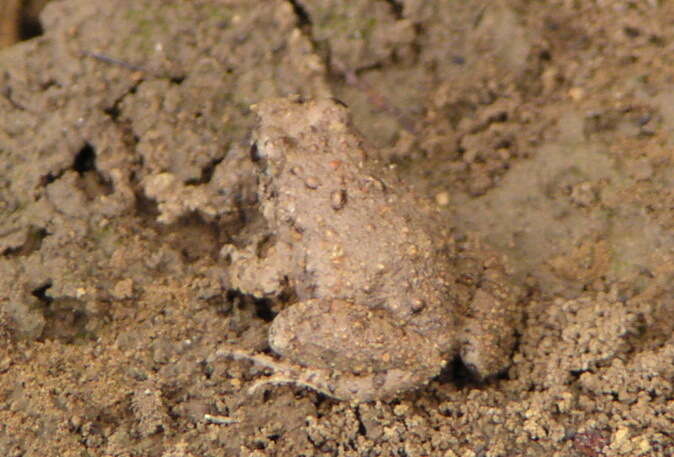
(383, 300)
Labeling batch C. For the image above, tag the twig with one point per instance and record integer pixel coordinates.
(113, 61)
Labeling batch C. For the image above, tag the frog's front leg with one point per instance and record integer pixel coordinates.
(332, 383)
(347, 351)
(258, 270)
(489, 334)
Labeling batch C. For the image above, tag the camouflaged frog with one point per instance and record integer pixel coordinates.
(382, 301)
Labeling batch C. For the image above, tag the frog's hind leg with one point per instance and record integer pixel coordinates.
(346, 351)
(284, 372)
(331, 383)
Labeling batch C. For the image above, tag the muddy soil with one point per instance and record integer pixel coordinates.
(544, 128)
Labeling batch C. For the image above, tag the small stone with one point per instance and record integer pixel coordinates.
(576, 94)
(583, 194)
(312, 182)
(620, 441)
(338, 199)
(642, 444)
(442, 198)
(400, 410)
(418, 305)
(123, 289)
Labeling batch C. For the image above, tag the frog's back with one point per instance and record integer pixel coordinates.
(366, 237)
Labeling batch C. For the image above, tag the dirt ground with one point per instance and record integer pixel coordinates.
(545, 128)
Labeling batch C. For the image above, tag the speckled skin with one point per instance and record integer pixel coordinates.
(379, 309)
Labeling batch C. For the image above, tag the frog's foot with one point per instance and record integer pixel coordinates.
(284, 372)
(331, 383)
(489, 337)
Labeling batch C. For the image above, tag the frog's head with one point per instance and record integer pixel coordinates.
(287, 130)
(294, 115)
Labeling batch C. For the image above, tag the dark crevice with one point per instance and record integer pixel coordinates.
(90, 180)
(206, 369)
(576, 374)
(84, 164)
(361, 427)
(254, 154)
(303, 19)
(206, 173)
(85, 160)
(461, 375)
(29, 26)
(248, 306)
(33, 243)
(113, 111)
(41, 294)
(146, 208)
(48, 84)
(263, 309)
(50, 178)
(7, 93)
(396, 8)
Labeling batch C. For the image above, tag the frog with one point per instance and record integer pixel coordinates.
(380, 299)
